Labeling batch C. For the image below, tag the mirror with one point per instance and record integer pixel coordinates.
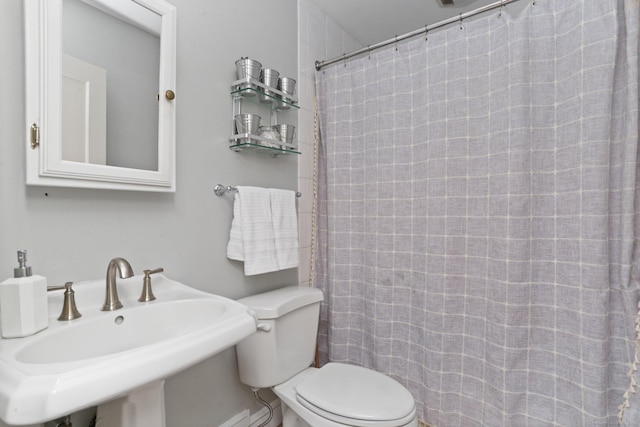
(100, 93)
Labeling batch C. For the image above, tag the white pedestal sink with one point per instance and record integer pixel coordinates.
(105, 356)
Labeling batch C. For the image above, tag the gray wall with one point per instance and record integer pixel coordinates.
(71, 234)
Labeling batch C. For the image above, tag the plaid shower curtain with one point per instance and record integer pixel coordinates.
(478, 211)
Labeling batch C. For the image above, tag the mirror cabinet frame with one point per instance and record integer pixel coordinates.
(43, 66)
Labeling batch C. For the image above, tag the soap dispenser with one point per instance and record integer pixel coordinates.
(24, 307)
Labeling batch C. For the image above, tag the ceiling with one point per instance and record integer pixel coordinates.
(374, 21)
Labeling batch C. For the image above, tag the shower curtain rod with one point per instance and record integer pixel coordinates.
(426, 29)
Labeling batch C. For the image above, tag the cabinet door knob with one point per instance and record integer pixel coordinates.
(171, 95)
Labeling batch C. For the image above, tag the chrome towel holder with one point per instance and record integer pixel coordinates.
(220, 190)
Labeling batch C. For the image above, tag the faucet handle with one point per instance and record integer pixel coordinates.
(69, 309)
(147, 293)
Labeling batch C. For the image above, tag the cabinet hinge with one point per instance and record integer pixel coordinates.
(35, 136)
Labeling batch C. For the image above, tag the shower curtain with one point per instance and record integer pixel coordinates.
(477, 215)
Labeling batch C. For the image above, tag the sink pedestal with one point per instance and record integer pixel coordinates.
(142, 407)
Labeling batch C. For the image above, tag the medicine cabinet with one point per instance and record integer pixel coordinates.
(100, 94)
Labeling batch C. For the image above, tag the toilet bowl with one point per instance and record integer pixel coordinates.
(279, 355)
(345, 395)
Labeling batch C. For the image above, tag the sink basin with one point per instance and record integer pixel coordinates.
(103, 355)
(115, 333)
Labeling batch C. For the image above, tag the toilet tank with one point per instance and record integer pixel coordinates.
(286, 340)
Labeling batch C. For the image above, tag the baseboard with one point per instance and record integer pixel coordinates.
(238, 420)
(246, 419)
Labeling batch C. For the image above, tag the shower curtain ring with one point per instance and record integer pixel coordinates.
(461, 27)
(396, 42)
(369, 50)
(426, 33)
(344, 57)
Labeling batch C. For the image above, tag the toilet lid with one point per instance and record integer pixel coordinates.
(356, 396)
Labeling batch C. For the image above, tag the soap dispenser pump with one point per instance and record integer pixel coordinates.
(23, 302)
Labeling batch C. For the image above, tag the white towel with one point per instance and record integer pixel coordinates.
(234, 247)
(285, 227)
(251, 237)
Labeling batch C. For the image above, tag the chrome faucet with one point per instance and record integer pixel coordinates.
(112, 302)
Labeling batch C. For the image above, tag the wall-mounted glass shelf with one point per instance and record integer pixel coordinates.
(275, 100)
(273, 151)
(254, 90)
(242, 139)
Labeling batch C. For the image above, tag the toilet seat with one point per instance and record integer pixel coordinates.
(356, 396)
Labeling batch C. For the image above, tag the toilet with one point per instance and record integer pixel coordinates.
(279, 355)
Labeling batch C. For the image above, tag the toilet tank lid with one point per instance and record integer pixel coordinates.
(273, 304)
